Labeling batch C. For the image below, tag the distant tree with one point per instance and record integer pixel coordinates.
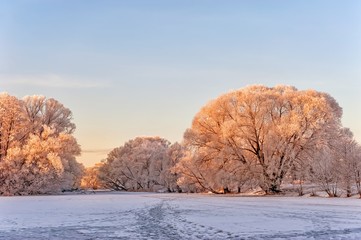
(169, 175)
(264, 129)
(325, 171)
(357, 168)
(142, 164)
(300, 172)
(90, 179)
(337, 166)
(343, 153)
(348, 153)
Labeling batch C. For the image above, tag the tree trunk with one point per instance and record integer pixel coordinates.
(271, 185)
(348, 192)
(300, 189)
(275, 188)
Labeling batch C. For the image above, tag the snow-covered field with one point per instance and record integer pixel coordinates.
(178, 216)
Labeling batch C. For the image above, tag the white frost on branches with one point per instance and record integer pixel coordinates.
(142, 164)
(37, 149)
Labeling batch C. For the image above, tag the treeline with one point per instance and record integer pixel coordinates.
(256, 137)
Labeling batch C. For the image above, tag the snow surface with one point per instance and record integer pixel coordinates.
(178, 216)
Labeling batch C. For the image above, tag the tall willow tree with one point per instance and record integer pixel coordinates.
(259, 131)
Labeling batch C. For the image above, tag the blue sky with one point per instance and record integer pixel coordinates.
(130, 68)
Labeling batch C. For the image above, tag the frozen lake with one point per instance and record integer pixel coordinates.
(178, 216)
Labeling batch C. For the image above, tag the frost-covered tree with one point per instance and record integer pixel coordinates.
(336, 167)
(260, 128)
(12, 123)
(344, 147)
(348, 155)
(325, 171)
(197, 174)
(37, 147)
(142, 164)
(357, 168)
(169, 175)
(41, 165)
(41, 111)
(90, 179)
(299, 174)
